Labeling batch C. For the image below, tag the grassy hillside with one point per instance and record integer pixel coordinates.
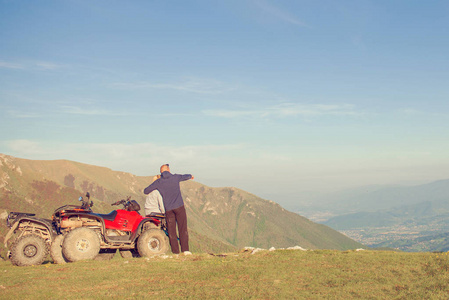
(280, 274)
(219, 218)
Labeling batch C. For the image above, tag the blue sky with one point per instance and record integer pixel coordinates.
(279, 98)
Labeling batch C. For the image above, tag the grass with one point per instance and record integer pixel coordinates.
(280, 274)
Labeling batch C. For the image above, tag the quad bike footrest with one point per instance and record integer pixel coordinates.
(124, 238)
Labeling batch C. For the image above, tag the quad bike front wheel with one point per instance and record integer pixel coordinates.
(81, 244)
(29, 250)
(56, 250)
(152, 242)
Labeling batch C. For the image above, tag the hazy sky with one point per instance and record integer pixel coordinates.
(278, 98)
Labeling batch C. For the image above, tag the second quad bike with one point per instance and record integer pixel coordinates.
(33, 237)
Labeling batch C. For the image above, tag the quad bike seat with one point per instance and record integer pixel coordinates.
(156, 215)
(110, 216)
(15, 214)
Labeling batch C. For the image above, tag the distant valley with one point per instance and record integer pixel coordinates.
(414, 218)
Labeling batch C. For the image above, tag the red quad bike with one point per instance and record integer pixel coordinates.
(84, 234)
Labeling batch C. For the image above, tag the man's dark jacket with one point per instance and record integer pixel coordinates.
(168, 186)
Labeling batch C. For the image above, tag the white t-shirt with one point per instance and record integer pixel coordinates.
(154, 203)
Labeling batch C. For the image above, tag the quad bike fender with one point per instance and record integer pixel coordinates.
(86, 215)
(137, 232)
(10, 233)
(46, 223)
(89, 216)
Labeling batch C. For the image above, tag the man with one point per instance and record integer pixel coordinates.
(153, 202)
(175, 212)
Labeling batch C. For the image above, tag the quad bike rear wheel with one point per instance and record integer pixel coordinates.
(81, 244)
(29, 250)
(152, 242)
(56, 250)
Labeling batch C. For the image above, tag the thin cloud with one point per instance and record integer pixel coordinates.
(287, 110)
(8, 65)
(124, 157)
(74, 110)
(39, 65)
(230, 114)
(116, 150)
(279, 13)
(191, 85)
(23, 114)
(82, 111)
(293, 109)
(413, 112)
(170, 115)
(25, 148)
(48, 65)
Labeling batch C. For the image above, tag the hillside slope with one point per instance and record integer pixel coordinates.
(280, 274)
(219, 218)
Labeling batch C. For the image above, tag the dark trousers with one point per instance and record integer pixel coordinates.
(179, 216)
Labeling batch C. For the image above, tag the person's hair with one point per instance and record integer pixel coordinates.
(165, 167)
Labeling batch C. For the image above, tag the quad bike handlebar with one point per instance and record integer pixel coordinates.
(86, 204)
(130, 205)
(124, 202)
